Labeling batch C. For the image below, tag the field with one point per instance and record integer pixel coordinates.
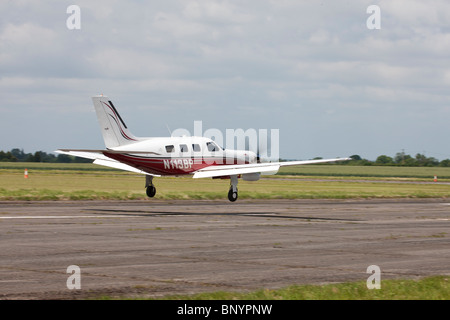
(87, 181)
(430, 288)
(379, 172)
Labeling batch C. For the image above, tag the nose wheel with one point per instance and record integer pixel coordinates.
(233, 192)
(151, 191)
(150, 188)
(232, 195)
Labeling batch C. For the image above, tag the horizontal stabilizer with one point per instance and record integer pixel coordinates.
(100, 159)
(118, 165)
(95, 151)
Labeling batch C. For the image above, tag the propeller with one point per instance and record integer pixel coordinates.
(265, 148)
(264, 145)
(261, 154)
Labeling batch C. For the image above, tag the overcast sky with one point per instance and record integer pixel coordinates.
(312, 69)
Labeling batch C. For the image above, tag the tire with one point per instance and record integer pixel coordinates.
(151, 191)
(232, 196)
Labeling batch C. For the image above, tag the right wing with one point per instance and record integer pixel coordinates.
(100, 159)
(263, 168)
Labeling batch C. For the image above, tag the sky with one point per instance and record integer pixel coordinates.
(314, 70)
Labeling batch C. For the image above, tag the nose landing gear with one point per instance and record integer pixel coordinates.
(151, 190)
(233, 192)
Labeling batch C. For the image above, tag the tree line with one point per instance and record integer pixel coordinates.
(400, 159)
(18, 155)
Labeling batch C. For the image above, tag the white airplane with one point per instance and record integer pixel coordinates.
(198, 157)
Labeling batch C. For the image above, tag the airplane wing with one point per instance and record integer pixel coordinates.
(263, 168)
(100, 159)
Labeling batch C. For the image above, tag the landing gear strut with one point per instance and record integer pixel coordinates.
(233, 193)
(151, 190)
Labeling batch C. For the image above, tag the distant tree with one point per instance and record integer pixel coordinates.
(423, 161)
(7, 157)
(37, 156)
(19, 154)
(384, 160)
(399, 157)
(365, 162)
(81, 160)
(30, 158)
(356, 157)
(64, 158)
(403, 159)
(444, 163)
(409, 162)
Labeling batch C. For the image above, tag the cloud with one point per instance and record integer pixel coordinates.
(17, 40)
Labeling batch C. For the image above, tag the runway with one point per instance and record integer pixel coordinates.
(154, 248)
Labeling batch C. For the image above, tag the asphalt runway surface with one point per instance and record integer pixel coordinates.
(155, 248)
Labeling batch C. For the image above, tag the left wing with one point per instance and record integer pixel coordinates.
(263, 168)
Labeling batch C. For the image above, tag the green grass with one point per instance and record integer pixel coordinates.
(341, 171)
(92, 182)
(430, 288)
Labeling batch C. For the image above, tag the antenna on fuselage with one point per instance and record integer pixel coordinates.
(170, 132)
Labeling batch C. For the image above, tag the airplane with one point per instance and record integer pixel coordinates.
(198, 157)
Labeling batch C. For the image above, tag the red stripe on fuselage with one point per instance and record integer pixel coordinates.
(170, 166)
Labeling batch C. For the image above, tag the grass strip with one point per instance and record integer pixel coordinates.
(80, 184)
(429, 288)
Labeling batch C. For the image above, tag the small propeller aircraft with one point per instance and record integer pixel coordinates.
(199, 157)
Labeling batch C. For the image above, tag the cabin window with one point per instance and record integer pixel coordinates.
(212, 146)
(184, 148)
(170, 149)
(196, 147)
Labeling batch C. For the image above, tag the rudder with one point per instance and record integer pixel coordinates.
(115, 132)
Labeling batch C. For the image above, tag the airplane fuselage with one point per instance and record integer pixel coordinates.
(174, 156)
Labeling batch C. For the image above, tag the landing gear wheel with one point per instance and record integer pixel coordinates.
(151, 191)
(232, 196)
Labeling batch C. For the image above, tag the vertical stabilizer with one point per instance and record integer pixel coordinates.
(114, 131)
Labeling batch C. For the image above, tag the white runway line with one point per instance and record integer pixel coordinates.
(61, 217)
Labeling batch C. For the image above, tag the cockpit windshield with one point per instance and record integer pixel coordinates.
(213, 147)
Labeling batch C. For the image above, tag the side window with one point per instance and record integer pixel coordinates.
(196, 147)
(183, 148)
(212, 147)
(170, 149)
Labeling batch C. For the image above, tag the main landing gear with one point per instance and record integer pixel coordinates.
(233, 192)
(151, 190)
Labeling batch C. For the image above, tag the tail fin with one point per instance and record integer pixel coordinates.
(114, 131)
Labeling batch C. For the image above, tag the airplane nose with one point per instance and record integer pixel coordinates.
(246, 156)
(252, 157)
